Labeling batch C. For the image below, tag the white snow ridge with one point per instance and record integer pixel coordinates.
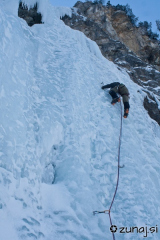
(59, 138)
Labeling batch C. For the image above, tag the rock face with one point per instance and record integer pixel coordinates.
(31, 16)
(123, 43)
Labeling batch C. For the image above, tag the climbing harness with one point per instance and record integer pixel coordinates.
(119, 166)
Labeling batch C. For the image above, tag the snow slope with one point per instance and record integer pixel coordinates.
(59, 137)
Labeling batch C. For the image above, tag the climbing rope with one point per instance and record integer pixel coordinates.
(119, 150)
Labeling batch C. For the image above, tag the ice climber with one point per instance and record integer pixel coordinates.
(120, 88)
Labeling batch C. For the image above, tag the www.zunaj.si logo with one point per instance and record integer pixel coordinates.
(144, 230)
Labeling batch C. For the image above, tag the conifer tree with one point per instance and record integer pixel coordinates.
(158, 24)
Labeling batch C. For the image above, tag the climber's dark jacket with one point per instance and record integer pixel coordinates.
(120, 88)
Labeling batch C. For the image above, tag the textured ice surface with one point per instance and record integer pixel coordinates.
(58, 126)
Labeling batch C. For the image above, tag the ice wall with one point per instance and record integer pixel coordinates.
(59, 137)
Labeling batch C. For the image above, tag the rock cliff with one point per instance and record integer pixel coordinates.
(125, 44)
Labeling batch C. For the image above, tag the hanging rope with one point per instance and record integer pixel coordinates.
(119, 150)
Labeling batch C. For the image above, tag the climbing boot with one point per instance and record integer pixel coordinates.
(126, 112)
(115, 100)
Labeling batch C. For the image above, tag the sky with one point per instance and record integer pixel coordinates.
(145, 10)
